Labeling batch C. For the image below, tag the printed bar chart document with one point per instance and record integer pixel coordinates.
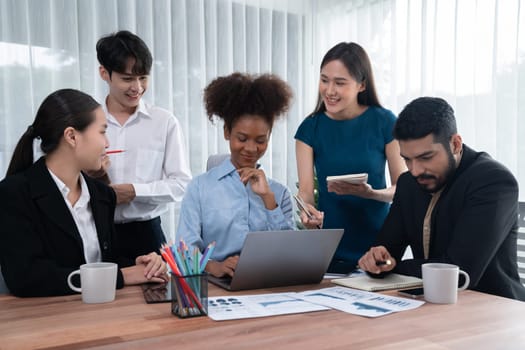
(359, 302)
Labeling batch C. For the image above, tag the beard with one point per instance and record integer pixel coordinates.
(449, 172)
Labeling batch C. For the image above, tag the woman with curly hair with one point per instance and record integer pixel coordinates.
(236, 197)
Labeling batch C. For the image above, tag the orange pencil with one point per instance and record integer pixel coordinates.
(115, 151)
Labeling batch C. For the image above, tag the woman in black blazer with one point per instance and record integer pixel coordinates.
(53, 217)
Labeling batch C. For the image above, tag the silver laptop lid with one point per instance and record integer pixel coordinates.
(281, 258)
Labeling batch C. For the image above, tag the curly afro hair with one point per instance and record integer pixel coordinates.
(230, 97)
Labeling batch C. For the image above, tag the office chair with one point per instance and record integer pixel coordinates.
(521, 241)
(216, 159)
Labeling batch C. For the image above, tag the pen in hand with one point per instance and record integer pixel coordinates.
(385, 262)
(302, 206)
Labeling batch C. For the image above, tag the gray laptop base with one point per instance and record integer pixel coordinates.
(282, 258)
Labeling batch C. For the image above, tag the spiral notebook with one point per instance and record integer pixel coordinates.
(391, 281)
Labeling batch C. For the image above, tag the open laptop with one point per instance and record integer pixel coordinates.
(282, 258)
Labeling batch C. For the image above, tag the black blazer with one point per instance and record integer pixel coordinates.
(39, 240)
(474, 225)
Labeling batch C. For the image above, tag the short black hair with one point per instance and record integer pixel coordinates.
(424, 116)
(114, 51)
(230, 97)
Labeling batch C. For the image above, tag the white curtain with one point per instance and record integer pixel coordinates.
(470, 52)
(46, 45)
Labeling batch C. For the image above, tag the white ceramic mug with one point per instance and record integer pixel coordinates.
(440, 282)
(98, 282)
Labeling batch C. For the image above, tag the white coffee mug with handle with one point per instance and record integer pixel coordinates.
(440, 282)
(98, 282)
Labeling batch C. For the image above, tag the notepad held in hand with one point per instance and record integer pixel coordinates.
(350, 178)
(391, 281)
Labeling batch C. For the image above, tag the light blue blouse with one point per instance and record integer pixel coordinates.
(218, 207)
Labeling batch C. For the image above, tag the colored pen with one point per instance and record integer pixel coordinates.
(115, 151)
(386, 262)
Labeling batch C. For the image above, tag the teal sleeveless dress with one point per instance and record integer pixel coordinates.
(347, 147)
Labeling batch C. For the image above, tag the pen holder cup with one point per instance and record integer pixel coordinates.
(189, 295)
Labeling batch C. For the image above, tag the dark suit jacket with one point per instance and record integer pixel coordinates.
(474, 225)
(39, 240)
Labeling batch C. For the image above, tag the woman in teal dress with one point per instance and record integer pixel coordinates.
(348, 133)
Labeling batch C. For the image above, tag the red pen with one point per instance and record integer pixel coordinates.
(115, 151)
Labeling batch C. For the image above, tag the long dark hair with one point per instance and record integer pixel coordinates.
(357, 62)
(63, 108)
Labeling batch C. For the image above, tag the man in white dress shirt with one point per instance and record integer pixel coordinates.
(153, 168)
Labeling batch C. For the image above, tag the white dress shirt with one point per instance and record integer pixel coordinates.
(154, 161)
(83, 217)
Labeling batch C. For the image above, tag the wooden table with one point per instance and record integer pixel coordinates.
(477, 321)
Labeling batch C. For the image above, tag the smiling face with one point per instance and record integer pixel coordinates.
(431, 164)
(91, 143)
(248, 139)
(125, 89)
(339, 90)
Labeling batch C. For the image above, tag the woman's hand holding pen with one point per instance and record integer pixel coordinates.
(222, 268)
(312, 218)
(377, 260)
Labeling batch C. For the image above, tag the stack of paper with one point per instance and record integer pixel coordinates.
(350, 178)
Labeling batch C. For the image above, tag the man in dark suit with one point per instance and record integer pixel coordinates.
(454, 205)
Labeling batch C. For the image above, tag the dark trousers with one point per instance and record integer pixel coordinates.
(139, 238)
